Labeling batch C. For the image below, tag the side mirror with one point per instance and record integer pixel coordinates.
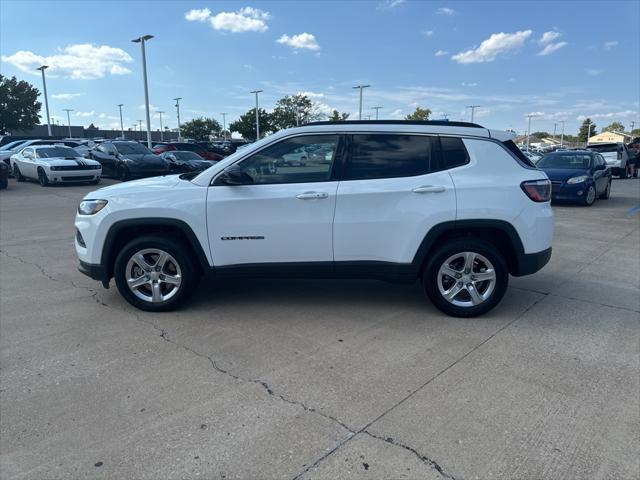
(600, 167)
(234, 176)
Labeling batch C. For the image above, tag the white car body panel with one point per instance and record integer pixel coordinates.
(29, 166)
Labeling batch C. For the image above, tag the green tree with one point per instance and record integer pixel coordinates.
(19, 106)
(541, 134)
(246, 124)
(336, 116)
(419, 114)
(293, 110)
(614, 127)
(584, 130)
(201, 128)
(635, 132)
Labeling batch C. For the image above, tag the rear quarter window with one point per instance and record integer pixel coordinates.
(452, 154)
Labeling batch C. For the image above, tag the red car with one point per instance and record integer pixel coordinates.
(159, 148)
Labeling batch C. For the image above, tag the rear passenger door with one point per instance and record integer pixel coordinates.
(394, 188)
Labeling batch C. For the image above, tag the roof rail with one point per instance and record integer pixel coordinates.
(443, 123)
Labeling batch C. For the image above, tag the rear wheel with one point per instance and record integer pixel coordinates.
(607, 192)
(466, 277)
(17, 173)
(155, 274)
(42, 177)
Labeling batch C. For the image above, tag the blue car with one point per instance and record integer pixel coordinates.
(577, 175)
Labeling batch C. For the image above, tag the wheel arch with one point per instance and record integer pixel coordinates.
(497, 232)
(121, 232)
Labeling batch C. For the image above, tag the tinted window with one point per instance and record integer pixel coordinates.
(578, 161)
(387, 156)
(51, 152)
(518, 153)
(295, 160)
(133, 148)
(187, 156)
(453, 154)
(605, 147)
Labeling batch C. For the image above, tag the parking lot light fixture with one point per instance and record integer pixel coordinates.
(530, 116)
(46, 100)
(562, 133)
(361, 87)
(177, 99)
(141, 41)
(257, 115)
(376, 109)
(68, 119)
(224, 124)
(473, 110)
(160, 112)
(121, 124)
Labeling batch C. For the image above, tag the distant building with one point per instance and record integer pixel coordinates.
(611, 137)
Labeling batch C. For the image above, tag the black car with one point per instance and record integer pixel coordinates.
(184, 161)
(126, 160)
(4, 175)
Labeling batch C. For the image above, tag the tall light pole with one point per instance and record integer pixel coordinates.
(160, 112)
(257, 115)
(376, 109)
(140, 128)
(121, 124)
(142, 41)
(178, 112)
(46, 100)
(68, 119)
(589, 132)
(555, 126)
(361, 87)
(529, 116)
(633, 124)
(224, 124)
(473, 110)
(562, 133)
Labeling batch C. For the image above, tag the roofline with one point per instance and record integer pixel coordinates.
(441, 123)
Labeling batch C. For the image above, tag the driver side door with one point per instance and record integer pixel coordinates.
(283, 214)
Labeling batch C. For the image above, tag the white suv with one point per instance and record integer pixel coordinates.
(452, 204)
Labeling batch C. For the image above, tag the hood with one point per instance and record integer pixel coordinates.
(66, 161)
(563, 174)
(144, 159)
(6, 154)
(144, 184)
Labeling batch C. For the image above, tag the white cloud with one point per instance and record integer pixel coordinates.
(390, 4)
(550, 48)
(445, 11)
(470, 84)
(297, 42)
(65, 96)
(85, 114)
(441, 53)
(496, 44)
(81, 62)
(196, 15)
(428, 33)
(548, 37)
(397, 113)
(312, 94)
(593, 72)
(609, 45)
(609, 115)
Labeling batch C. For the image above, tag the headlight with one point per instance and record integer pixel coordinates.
(54, 168)
(580, 179)
(91, 207)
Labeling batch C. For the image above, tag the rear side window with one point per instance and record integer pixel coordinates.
(518, 153)
(389, 156)
(453, 154)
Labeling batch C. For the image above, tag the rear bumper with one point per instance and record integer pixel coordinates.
(529, 263)
(96, 272)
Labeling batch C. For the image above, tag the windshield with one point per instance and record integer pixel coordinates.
(131, 148)
(53, 152)
(9, 146)
(187, 156)
(577, 161)
(609, 147)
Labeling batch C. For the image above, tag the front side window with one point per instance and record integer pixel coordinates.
(389, 156)
(27, 152)
(301, 159)
(132, 148)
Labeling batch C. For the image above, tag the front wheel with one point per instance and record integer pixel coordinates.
(589, 196)
(17, 173)
(155, 274)
(42, 177)
(466, 277)
(123, 173)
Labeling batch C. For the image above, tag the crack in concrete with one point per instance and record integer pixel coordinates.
(426, 460)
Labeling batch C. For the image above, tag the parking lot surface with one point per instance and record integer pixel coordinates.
(319, 379)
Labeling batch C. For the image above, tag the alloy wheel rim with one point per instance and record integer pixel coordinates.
(153, 275)
(591, 194)
(466, 279)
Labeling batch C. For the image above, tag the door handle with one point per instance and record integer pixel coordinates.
(312, 195)
(429, 189)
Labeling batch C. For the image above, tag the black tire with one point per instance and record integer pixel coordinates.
(607, 192)
(94, 182)
(123, 173)
(42, 178)
(458, 246)
(589, 197)
(4, 183)
(623, 173)
(17, 173)
(189, 272)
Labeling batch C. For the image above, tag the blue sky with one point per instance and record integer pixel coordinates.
(561, 60)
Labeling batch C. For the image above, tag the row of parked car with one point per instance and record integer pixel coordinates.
(66, 161)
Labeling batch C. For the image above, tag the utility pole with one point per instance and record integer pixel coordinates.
(178, 111)
(445, 116)
(224, 124)
(376, 109)
(562, 134)
(633, 124)
(160, 112)
(121, 124)
(555, 125)
(361, 87)
(68, 119)
(588, 132)
(142, 41)
(529, 116)
(140, 128)
(473, 110)
(46, 100)
(257, 115)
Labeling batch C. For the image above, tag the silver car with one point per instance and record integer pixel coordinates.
(615, 154)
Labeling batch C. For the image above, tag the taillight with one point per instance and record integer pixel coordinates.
(537, 190)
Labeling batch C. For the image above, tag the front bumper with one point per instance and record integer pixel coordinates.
(96, 272)
(528, 263)
(569, 192)
(62, 176)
